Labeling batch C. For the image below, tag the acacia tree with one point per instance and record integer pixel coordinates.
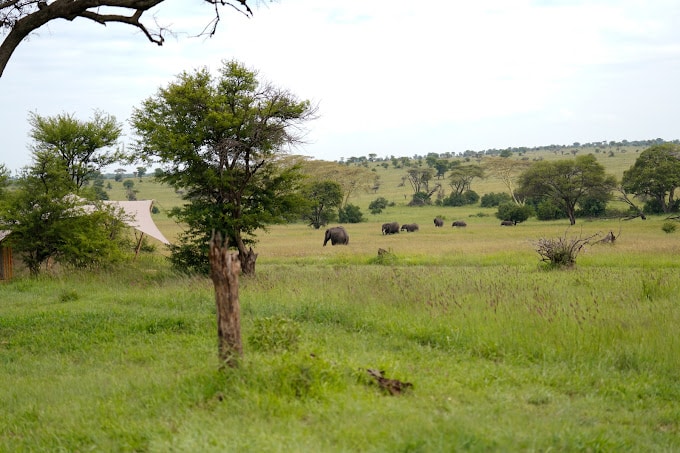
(223, 141)
(507, 170)
(655, 174)
(20, 18)
(567, 182)
(85, 147)
(461, 176)
(49, 223)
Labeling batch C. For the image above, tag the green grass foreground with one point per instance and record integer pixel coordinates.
(503, 355)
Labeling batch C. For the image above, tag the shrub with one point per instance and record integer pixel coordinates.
(548, 210)
(376, 206)
(466, 198)
(420, 199)
(669, 227)
(592, 207)
(516, 213)
(561, 252)
(350, 214)
(490, 200)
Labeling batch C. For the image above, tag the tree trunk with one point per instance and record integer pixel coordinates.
(224, 270)
(248, 261)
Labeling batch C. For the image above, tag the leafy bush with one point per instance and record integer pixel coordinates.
(548, 210)
(420, 199)
(516, 213)
(490, 200)
(350, 214)
(669, 227)
(376, 206)
(466, 198)
(592, 207)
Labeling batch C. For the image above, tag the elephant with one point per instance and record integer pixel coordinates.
(390, 228)
(438, 222)
(508, 223)
(459, 223)
(337, 235)
(409, 227)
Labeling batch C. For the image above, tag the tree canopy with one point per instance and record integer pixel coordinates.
(223, 140)
(84, 147)
(48, 222)
(20, 18)
(655, 174)
(567, 182)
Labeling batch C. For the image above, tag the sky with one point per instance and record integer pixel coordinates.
(390, 77)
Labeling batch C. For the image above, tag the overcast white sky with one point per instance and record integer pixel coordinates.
(391, 77)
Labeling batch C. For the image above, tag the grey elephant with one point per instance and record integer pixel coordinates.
(459, 223)
(409, 227)
(438, 222)
(337, 235)
(390, 228)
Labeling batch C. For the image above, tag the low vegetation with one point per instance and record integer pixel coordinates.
(442, 339)
(492, 351)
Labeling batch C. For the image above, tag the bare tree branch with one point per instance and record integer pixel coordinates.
(20, 18)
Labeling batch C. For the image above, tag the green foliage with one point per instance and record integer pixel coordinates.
(83, 146)
(274, 334)
(322, 198)
(221, 139)
(461, 176)
(350, 214)
(513, 212)
(420, 199)
(567, 182)
(461, 199)
(376, 206)
(549, 210)
(669, 226)
(493, 199)
(143, 375)
(655, 174)
(48, 222)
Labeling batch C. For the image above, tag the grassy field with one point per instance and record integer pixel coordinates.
(502, 354)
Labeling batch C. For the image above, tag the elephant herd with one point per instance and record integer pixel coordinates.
(338, 235)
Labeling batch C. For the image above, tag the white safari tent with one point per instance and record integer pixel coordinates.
(136, 214)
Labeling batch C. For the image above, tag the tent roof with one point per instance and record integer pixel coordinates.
(138, 216)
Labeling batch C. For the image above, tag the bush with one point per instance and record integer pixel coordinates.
(466, 198)
(548, 210)
(669, 227)
(350, 214)
(513, 212)
(560, 252)
(376, 206)
(420, 199)
(490, 200)
(592, 207)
